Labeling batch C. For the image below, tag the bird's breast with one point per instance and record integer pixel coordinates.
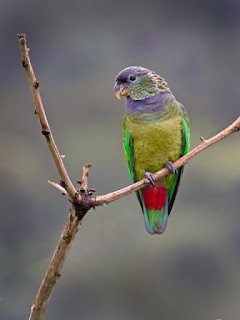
(156, 140)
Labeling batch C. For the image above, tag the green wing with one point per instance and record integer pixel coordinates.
(173, 188)
(128, 150)
(129, 155)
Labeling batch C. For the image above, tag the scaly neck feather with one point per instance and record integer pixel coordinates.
(154, 103)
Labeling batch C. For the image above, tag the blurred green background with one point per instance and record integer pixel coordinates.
(115, 270)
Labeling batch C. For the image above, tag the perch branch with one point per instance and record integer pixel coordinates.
(82, 199)
(112, 196)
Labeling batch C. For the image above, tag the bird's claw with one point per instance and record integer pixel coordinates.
(170, 166)
(150, 177)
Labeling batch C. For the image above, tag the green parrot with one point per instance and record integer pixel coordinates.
(155, 134)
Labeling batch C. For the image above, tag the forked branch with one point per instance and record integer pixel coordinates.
(82, 199)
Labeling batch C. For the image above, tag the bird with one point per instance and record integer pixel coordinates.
(156, 132)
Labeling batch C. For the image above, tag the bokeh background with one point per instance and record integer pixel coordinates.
(115, 270)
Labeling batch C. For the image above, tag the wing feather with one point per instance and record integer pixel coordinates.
(173, 188)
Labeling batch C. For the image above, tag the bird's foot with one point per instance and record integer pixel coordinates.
(170, 166)
(150, 177)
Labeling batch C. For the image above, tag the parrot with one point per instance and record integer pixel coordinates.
(156, 132)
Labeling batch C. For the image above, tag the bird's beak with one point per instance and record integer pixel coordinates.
(120, 91)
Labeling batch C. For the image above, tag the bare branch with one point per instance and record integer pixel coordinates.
(85, 173)
(112, 196)
(71, 226)
(84, 202)
(54, 269)
(39, 109)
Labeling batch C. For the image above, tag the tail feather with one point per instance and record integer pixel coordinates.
(154, 203)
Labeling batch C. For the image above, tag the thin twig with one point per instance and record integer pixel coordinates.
(57, 186)
(85, 173)
(81, 204)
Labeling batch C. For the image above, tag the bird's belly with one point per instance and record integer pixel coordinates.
(155, 144)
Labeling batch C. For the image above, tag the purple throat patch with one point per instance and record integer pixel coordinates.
(155, 103)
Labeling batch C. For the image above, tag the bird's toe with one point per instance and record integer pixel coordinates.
(150, 177)
(170, 166)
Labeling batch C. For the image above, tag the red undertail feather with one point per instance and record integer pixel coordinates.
(154, 197)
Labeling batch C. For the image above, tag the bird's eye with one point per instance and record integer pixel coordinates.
(132, 78)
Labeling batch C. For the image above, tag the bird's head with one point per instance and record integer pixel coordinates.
(138, 83)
